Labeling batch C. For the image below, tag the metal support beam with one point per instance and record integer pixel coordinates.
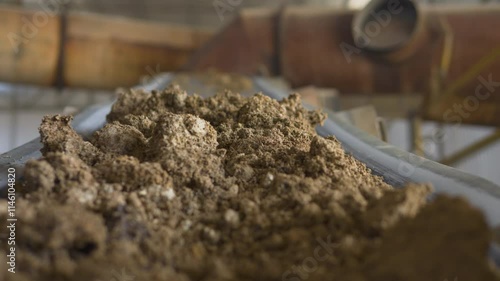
(471, 149)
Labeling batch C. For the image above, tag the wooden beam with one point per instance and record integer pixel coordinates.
(28, 53)
(101, 52)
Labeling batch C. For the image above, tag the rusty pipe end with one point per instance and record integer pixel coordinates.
(390, 29)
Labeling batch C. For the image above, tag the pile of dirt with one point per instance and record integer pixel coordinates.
(178, 187)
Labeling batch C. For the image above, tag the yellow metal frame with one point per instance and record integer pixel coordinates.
(437, 94)
(471, 149)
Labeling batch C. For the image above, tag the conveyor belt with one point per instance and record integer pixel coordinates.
(396, 166)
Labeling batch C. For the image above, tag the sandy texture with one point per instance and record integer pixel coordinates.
(177, 187)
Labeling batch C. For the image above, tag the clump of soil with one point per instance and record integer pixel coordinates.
(178, 187)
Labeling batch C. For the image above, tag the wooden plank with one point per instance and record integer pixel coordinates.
(101, 27)
(100, 55)
(364, 118)
(99, 52)
(28, 51)
(387, 105)
(320, 97)
(458, 110)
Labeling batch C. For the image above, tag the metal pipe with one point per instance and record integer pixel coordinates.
(390, 30)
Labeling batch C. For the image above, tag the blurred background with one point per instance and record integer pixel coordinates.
(421, 75)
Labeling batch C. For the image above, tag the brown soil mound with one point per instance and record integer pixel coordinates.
(178, 187)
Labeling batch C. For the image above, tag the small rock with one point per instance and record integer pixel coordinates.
(169, 193)
(232, 217)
